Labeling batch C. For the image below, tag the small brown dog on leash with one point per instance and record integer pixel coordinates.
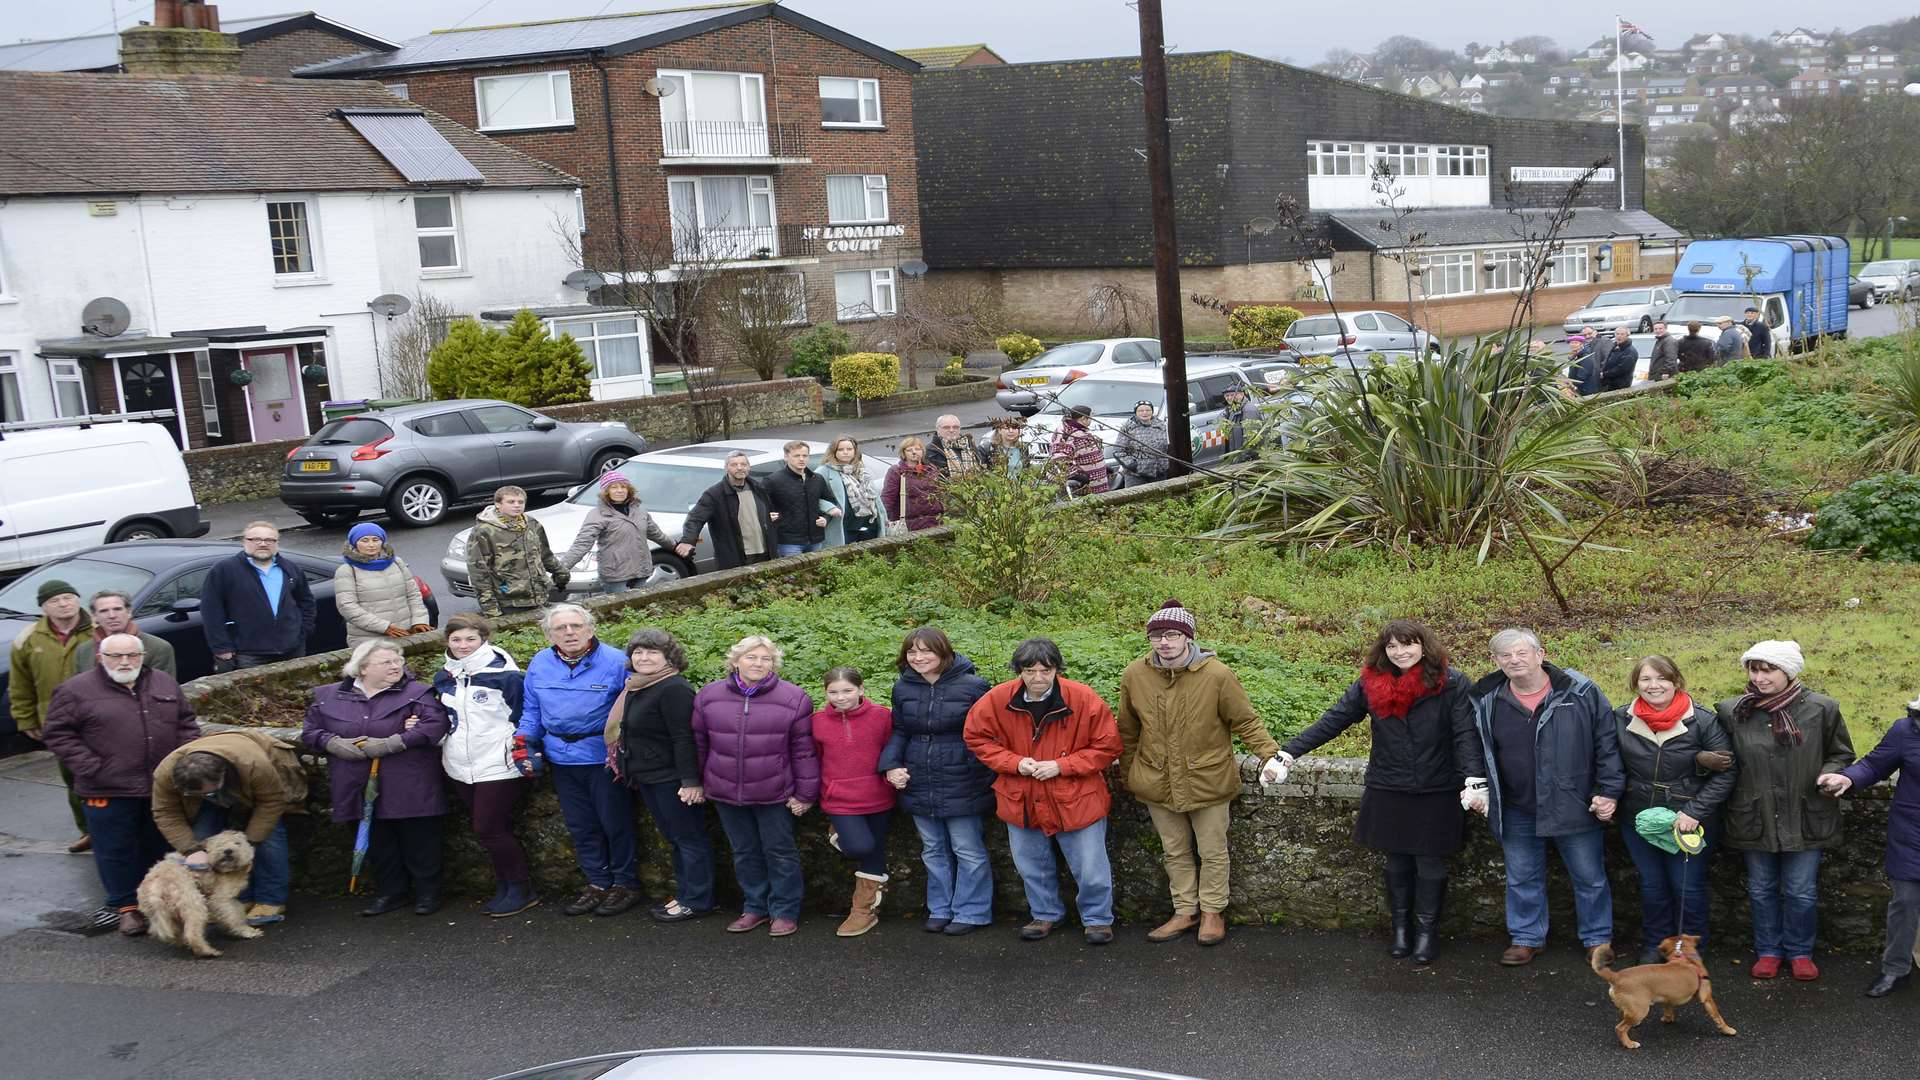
(179, 902)
(1635, 991)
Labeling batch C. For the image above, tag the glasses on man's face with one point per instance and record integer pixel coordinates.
(1165, 635)
(262, 539)
(123, 655)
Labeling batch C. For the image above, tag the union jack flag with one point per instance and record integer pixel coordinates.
(1629, 28)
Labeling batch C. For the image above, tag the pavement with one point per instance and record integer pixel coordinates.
(328, 994)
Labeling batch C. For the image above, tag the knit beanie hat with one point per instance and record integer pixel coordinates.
(1172, 616)
(51, 588)
(363, 530)
(612, 477)
(1784, 655)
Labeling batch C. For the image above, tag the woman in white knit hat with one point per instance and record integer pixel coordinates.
(1784, 737)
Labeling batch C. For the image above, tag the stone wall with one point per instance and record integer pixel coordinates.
(975, 388)
(224, 474)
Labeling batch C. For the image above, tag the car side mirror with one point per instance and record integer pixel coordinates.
(575, 490)
(543, 423)
(183, 607)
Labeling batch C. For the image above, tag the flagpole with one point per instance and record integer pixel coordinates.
(1620, 110)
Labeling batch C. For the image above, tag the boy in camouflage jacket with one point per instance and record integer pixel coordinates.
(508, 560)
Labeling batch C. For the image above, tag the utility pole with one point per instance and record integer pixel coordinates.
(1166, 252)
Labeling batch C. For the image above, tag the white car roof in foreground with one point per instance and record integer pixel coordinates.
(815, 1063)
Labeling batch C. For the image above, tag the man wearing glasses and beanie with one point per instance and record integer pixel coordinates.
(256, 607)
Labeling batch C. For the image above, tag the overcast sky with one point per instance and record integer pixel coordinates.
(1054, 29)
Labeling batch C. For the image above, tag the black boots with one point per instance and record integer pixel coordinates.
(1400, 905)
(1429, 895)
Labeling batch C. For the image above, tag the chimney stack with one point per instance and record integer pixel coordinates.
(184, 39)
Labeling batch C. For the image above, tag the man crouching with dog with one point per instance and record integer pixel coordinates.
(241, 780)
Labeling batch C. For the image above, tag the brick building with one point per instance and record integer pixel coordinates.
(1049, 201)
(742, 139)
(270, 46)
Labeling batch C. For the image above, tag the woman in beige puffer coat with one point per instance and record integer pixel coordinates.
(375, 592)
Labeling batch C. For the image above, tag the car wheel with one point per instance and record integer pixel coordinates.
(138, 530)
(418, 501)
(328, 519)
(676, 567)
(603, 461)
(1867, 303)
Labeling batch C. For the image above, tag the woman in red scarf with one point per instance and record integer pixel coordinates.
(1661, 732)
(1425, 749)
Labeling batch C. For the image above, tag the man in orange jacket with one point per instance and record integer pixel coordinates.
(1050, 740)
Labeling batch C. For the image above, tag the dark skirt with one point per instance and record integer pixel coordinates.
(1406, 823)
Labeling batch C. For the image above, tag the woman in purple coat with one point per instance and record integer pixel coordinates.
(753, 732)
(1899, 750)
(379, 710)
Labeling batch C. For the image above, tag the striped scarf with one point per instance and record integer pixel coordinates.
(1785, 731)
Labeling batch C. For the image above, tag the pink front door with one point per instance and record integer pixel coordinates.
(273, 397)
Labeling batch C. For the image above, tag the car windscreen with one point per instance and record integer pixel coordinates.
(667, 488)
(350, 431)
(1106, 398)
(87, 576)
(1080, 352)
(1706, 308)
(1884, 269)
(1620, 298)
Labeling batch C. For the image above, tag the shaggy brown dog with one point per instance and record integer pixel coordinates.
(1635, 991)
(179, 902)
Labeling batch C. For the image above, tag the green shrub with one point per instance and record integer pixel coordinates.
(1009, 536)
(1019, 348)
(1893, 407)
(1260, 326)
(814, 352)
(864, 376)
(1878, 517)
(464, 360)
(522, 364)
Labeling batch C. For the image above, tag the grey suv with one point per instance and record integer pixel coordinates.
(417, 461)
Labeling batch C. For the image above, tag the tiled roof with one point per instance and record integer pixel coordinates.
(943, 56)
(70, 133)
(1458, 228)
(101, 52)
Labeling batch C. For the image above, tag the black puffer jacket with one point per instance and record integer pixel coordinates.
(1663, 773)
(928, 718)
(796, 497)
(656, 734)
(1435, 747)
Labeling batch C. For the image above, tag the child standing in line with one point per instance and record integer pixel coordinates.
(849, 735)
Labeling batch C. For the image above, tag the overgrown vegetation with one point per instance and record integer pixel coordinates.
(865, 376)
(1878, 518)
(813, 352)
(521, 364)
(1010, 537)
(1260, 326)
(1019, 348)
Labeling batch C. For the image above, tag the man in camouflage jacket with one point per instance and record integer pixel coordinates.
(509, 563)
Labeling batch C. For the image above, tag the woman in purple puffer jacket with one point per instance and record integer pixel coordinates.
(754, 734)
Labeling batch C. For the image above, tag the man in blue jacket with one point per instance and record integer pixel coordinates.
(1553, 759)
(568, 691)
(1759, 335)
(256, 607)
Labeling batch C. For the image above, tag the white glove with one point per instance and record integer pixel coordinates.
(1474, 796)
(1276, 769)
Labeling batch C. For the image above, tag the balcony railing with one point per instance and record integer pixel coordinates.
(724, 244)
(730, 139)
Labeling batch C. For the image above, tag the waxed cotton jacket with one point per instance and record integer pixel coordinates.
(1081, 736)
(1775, 805)
(929, 720)
(41, 662)
(1576, 752)
(1660, 765)
(1177, 727)
(264, 777)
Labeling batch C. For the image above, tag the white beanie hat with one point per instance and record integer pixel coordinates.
(1784, 655)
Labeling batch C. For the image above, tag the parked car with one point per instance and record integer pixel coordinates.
(1638, 308)
(1022, 388)
(1893, 279)
(1317, 334)
(816, 1063)
(164, 579)
(1112, 397)
(418, 461)
(67, 488)
(1861, 294)
(668, 482)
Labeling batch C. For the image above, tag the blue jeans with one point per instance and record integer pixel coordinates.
(1086, 852)
(959, 878)
(599, 816)
(1582, 854)
(272, 877)
(784, 550)
(863, 838)
(1783, 891)
(685, 828)
(126, 843)
(765, 862)
(1673, 890)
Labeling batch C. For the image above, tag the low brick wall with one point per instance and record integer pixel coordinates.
(1467, 315)
(224, 474)
(976, 388)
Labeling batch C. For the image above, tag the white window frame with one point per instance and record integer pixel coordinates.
(65, 371)
(759, 191)
(879, 279)
(1460, 161)
(871, 184)
(580, 210)
(557, 120)
(745, 143)
(209, 395)
(1569, 266)
(1455, 273)
(452, 230)
(1325, 157)
(860, 102)
(398, 89)
(310, 216)
(556, 327)
(1404, 159)
(1509, 265)
(10, 374)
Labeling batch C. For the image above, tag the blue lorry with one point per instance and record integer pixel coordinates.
(1798, 283)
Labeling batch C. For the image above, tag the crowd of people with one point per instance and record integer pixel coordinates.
(1536, 748)
(1603, 362)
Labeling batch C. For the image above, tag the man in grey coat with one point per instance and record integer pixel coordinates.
(113, 614)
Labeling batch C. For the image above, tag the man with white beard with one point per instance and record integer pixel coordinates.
(111, 726)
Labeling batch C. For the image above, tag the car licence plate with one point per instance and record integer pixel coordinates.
(316, 466)
(1038, 381)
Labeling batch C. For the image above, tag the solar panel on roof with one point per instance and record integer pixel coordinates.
(413, 146)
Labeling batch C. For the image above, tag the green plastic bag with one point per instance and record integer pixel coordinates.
(1658, 826)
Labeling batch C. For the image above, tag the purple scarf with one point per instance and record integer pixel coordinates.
(744, 689)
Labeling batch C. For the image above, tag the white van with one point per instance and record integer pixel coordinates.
(67, 488)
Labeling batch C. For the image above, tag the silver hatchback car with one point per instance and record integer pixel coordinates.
(1026, 387)
(1317, 335)
(417, 461)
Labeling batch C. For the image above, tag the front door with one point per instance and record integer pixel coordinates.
(273, 397)
(146, 385)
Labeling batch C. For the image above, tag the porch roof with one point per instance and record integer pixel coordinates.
(90, 347)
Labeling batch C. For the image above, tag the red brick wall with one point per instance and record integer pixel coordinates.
(1463, 315)
(276, 57)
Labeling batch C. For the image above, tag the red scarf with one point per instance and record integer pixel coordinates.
(1659, 720)
(1395, 695)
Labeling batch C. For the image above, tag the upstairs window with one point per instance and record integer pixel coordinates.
(291, 237)
(1335, 159)
(1462, 161)
(518, 102)
(849, 102)
(854, 200)
(437, 226)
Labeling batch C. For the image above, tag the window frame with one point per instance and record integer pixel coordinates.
(590, 342)
(868, 188)
(480, 101)
(1459, 274)
(450, 230)
(1460, 159)
(72, 374)
(209, 395)
(859, 102)
(310, 222)
(1321, 153)
(1569, 257)
(1508, 263)
(759, 189)
(690, 115)
(875, 276)
(10, 373)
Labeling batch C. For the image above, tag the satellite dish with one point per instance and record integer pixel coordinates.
(1261, 226)
(660, 87)
(584, 280)
(914, 268)
(104, 317)
(390, 305)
